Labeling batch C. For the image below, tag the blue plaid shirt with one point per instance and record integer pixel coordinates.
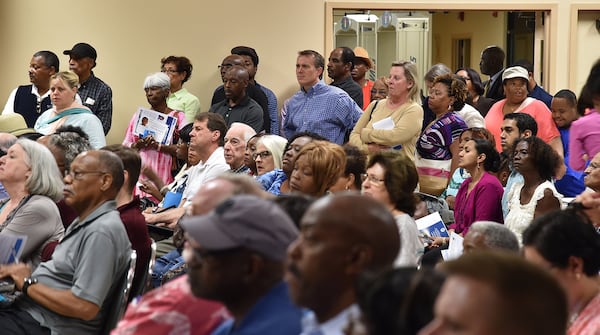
(272, 107)
(323, 109)
(97, 96)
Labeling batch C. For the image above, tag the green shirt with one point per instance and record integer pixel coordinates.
(186, 102)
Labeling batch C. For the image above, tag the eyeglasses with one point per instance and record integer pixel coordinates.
(225, 66)
(38, 106)
(169, 71)
(372, 179)
(262, 155)
(79, 174)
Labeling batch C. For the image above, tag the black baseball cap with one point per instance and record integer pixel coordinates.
(81, 50)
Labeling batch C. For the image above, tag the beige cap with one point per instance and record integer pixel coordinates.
(14, 123)
(362, 53)
(515, 72)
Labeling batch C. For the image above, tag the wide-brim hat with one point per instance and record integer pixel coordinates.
(14, 124)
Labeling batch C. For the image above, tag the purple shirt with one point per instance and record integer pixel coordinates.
(584, 139)
(435, 141)
(481, 204)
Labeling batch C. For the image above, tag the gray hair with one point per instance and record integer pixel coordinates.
(7, 140)
(435, 71)
(71, 143)
(248, 131)
(45, 179)
(496, 235)
(275, 144)
(158, 79)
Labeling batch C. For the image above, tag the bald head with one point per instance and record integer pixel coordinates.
(235, 144)
(213, 192)
(230, 61)
(238, 72)
(235, 82)
(342, 236)
(363, 220)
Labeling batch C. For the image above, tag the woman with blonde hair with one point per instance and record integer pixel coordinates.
(33, 186)
(318, 166)
(390, 123)
(67, 110)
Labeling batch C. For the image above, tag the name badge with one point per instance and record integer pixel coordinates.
(89, 101)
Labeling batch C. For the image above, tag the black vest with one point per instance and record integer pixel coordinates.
(26, 104)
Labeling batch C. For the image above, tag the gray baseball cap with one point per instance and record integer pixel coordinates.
(244, 221)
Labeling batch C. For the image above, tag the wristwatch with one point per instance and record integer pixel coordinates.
(28, 281)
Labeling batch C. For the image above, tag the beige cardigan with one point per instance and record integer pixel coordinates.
(408, 119)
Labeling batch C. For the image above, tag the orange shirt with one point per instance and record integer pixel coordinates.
(367, 94)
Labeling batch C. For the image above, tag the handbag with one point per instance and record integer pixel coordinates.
(433, 175)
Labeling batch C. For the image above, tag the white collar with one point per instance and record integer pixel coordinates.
(333, 326)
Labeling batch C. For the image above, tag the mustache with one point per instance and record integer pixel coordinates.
(293, 269)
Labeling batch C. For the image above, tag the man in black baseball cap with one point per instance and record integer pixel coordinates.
(82, 50)
(94, 93)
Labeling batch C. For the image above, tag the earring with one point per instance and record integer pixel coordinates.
(478, 165)
(450, 107)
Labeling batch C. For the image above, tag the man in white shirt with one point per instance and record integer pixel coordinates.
(32, 100)
(206, 139)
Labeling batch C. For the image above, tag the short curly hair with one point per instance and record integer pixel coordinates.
(182, 64)
(457, 88)
(544, 158)
(400, 178)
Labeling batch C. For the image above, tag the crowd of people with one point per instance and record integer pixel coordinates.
(303, 220)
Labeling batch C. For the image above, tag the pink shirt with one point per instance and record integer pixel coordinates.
(584, 138)
(588, 321)
(547, 130)
(481, 204)
(160, 162)
(171, 309)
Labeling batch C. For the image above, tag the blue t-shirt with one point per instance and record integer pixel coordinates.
(273, 314)
(571, 184)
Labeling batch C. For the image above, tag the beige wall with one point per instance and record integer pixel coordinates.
(131, 36)
(482, 27)
(588, 39)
